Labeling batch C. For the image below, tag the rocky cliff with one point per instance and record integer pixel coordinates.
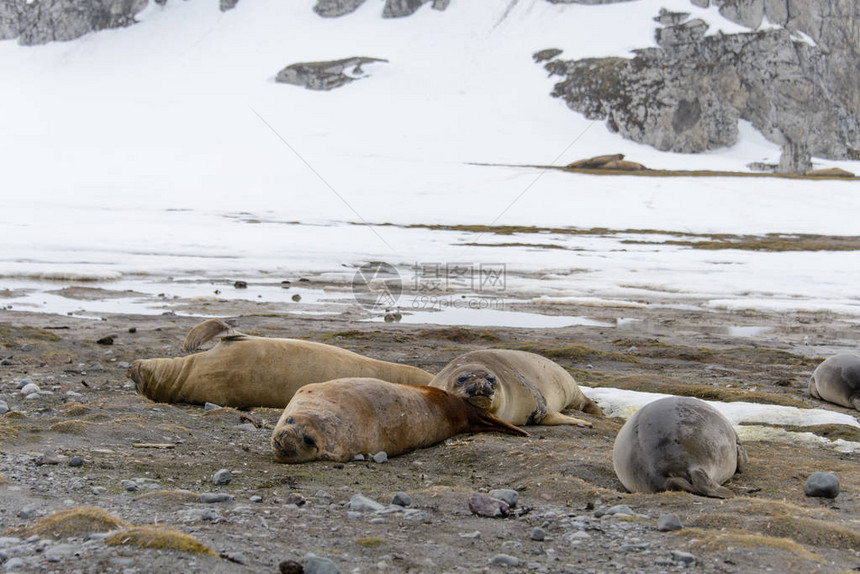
(796, 84)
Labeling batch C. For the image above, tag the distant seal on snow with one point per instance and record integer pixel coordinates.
(837, 380)
(338, 419)
(518, 387)
(243, 371)
(678, 443)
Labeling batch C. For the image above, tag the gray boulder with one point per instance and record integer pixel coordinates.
(325, 75)
(335, 8)
(687, 94)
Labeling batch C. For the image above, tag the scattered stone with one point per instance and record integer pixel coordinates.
(822, 484)
(668, 523)
(96, 367)
(483, 505)
(29, 511)
(296, 297)
(506, 495)
(108, 340)
(471, 535)
(538, 534)
(256, 498)
(380, 457)
(29, 388)
(504, 560)
(123, 365)
(683, 557)
(23, 383)
(212, 498)
(545, 55)
(296, 498)
(393, 317)
(13, 564)
(318, 565)
(48, 458)
(4, 408)
(361, 503)
(129, 485)
(222, 477)
(76, 461)
(290, 567)
(620, 509)
(25, 347)
(97, 490)
(210, 407)
(357, 458)
(240, 285)
(402, 499)
(235, 557)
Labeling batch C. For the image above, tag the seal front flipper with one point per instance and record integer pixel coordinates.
(481, 420)
(205, 331)
(554, 418)
(699, 483)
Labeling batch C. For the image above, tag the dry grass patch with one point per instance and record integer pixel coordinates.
(159, 538)
(77, 522)
(717, 540)
(571, 352)
(460, 335)
(71, 427)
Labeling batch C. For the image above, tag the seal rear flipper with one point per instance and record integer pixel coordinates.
(481, 420)
(554, 419)
(700, 483)
(591, 408)
(205, 331)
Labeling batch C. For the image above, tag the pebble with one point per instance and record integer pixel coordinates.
(98, 490)
(26, 347)
(74, 394)
(290, 567)
(401, 499)
(211, 498)
(361, 503)
(23, 383)
(129, 485)
(506, 495)
(13, 564)
(29, 511)
(96, 367)
(358, 458)
(246, 427)
(483, 505)
(471, 535)
(318, 565)
(296, 498)
(296, 297)
(380, 457)
(32, 396)
(49, 458)
(256, 498)
(669, 522)
(4, 408)
(620, 509)
(123, 365)
(29, 388)
(538, 534)
(222, 477)
(504, 560)
(59, 552)
(210, 406)
(683, 557)
(76, 461)
(823, 484)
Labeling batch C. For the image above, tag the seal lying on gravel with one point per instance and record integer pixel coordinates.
(678, 443)
(244, 371)
(338, 419)
(837, 381)
(518, 387)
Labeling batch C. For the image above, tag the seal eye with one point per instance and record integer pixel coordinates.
(309, 441)
(463, 378)
(491, 379)
(290, 420)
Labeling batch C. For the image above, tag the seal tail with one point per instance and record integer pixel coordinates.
(205, 331)
(700, 483)
(481, 420)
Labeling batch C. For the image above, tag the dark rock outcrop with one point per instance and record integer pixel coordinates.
(325, 75)
(42, 21)
(688, 94)
(392, 8)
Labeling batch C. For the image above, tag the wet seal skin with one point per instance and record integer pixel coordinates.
(338, 419)
(678, 443)
(519, 387)
(244, 371)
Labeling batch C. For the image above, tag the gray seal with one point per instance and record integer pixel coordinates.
(837, 381)
(678, 443)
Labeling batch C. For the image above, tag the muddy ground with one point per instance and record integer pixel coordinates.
(148, 464)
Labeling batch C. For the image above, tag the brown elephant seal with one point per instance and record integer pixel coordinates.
(244, 371)
(338, 419)
(678, 443)
(518, 387)
(837, 381)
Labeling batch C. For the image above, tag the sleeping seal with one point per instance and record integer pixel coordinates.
(338, 419)
(837, 380)
(678, 443)
(243, 371)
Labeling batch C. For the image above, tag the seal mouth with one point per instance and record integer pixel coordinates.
(133, 373)
(284, 451)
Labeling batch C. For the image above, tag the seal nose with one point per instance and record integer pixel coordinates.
(284, 444)
(479, 388)
(133, 373)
